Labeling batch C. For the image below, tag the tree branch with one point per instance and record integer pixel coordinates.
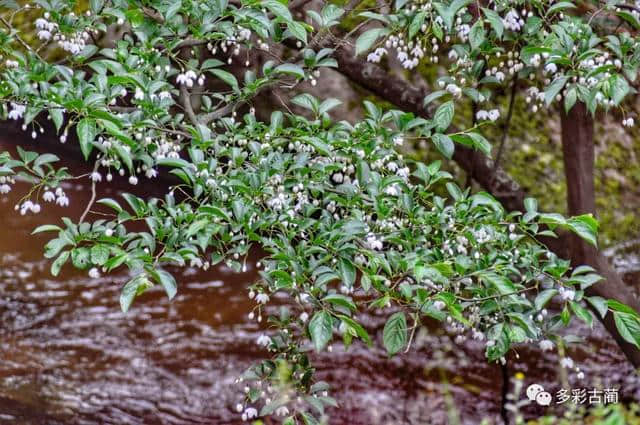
(185, 100)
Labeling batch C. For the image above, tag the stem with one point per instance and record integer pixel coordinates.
(507, 124)
(93, 195)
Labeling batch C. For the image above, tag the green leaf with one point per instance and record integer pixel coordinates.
(498, 333)
(45, 158)
(394, 335)
(599, 304)
(454, 191)
(486, 199)
(477, 34)
(531, 204)
(111, 203)
(622, 308)
(355, 327)
(629, 327)
(557, 7)
(444, 115)
(585, 226)
(211, 63)
(59, 262)
(290, 69)
(480, 143)
(124, 155)
(570, 99)
(99, 254)
(444, 144)
(116, 261)
(330, 13)
(524, 322)
(494, 20)
(501, 283)
(307, 101)
(347, 272)
(619, 88)
(167, 281)
(81, 258)
(340, 300)
(132, 289)
(278, 9)
(96, 5)
(551, 92)
(173, 162)
(227, 77)
(54, 246)
(433, 96)
(86, 130)
(544, 297)
(582, 313)
(586, 280)
(368, 38)
(46, 228)
(174, 7)
(309, 419)
(321, 329)
(416, 23)
(327, 105)
(630, 18)
(56, 117)
(298, 31)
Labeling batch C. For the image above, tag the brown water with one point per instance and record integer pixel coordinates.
(69, 356)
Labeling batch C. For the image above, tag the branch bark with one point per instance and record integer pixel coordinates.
(496, 181)
(185, 100)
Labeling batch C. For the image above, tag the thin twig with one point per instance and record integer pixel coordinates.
(93, 194)
(474, 110)
(413, 332)
(153, 14)
(493, 297)
(507, 124)
(20, 40)
(219, 113)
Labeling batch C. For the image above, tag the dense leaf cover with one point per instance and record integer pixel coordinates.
(345, 221)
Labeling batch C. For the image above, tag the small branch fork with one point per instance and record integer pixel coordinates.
(93, 194)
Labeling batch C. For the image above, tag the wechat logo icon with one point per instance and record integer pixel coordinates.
(536, 392)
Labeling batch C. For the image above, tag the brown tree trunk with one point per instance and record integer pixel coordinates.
(493, 179)
(578, 154)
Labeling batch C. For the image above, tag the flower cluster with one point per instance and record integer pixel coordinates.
(5, 184)
(539, 46)
(17, 111)
(187, 78)
(58, 196)
(73, 43)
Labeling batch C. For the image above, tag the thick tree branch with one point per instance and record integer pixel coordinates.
(578, 154)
